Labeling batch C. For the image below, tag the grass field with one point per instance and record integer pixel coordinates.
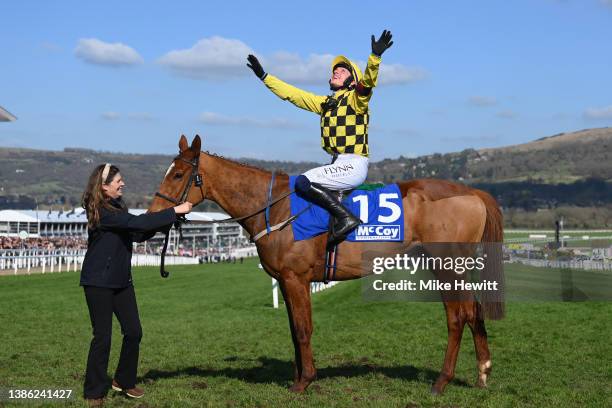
(211, 338)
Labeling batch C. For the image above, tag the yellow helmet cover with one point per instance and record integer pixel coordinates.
(341, 59)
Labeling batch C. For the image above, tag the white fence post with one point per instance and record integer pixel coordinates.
(275, 293)
(314, 288)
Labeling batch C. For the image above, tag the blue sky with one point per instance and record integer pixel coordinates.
(132, 76)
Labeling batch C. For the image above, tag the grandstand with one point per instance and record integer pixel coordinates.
(73, 224)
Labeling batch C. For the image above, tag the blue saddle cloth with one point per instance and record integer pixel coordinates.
(381, 211)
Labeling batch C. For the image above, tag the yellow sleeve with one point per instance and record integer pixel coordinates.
(298, 97)
(360, 100)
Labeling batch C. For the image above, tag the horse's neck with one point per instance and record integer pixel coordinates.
(238, 189)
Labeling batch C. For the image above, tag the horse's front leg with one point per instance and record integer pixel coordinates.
(296, 292)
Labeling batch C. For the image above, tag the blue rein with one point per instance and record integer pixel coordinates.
(269, 204)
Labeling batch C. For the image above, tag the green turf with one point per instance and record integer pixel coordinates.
(211, 338)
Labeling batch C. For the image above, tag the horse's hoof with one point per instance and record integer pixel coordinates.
(435, 391)
(481, 383)
(297, 388)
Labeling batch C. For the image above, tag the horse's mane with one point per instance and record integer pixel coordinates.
(247, 165)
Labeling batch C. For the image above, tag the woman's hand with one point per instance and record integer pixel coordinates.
(184, 208)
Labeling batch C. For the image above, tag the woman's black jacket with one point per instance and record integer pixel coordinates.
(108, 259)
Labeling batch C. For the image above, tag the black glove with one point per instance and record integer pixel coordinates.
(256, 67)
(384, 42)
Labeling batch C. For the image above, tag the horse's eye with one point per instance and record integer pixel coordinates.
(178, 175)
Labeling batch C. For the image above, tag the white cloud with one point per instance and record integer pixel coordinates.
(506, 114)
(479, 100)
(141, 116)
(223, 58)
(316, 69)
(98, 52)
(599, 113)
(111, 115)
(209, 58)
(213, 118)
(400, 74)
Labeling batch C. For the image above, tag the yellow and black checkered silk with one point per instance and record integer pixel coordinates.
(343, 130)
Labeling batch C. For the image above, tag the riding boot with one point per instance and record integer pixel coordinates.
(345, 221)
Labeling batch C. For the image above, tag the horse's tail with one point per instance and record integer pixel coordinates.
(492, 239)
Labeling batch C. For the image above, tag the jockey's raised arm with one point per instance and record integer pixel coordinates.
(300, 98)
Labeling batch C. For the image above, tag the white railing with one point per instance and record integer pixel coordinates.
(314, 288)
(65, 260)
(41, 260)
(154, 260)
(244, 252)
(573, 264)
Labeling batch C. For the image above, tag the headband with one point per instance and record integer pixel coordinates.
(107, 167)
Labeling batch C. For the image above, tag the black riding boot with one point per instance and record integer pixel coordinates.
(345, 220)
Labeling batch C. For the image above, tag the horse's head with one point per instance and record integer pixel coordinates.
(183, 180)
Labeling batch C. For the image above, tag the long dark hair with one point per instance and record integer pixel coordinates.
(93, 197)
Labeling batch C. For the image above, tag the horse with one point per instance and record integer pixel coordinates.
(436, 211)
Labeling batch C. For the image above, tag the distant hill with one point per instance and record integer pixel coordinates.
(575, 167)
(562, 158)
(57, 178)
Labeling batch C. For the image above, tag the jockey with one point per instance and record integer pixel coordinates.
(344, 131)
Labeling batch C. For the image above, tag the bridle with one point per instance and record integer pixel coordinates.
(195, 178)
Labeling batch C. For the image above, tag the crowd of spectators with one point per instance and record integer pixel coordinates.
(185, 248)
(48, 243)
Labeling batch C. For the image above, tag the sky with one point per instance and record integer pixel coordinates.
(133, 76)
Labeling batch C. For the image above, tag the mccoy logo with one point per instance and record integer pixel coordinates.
(378, 233)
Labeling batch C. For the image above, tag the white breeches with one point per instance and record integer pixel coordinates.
(347, 172)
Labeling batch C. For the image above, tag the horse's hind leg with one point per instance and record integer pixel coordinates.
(297, 300)
(483, 356)
(455, 321)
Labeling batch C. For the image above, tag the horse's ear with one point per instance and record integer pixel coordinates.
(196, 145)
(183, 144)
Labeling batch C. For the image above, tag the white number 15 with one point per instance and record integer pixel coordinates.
(396, 212)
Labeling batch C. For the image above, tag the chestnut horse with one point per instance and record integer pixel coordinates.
(435, 211)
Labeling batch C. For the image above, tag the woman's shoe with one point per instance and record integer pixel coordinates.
(95, 402)
(135, 392)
